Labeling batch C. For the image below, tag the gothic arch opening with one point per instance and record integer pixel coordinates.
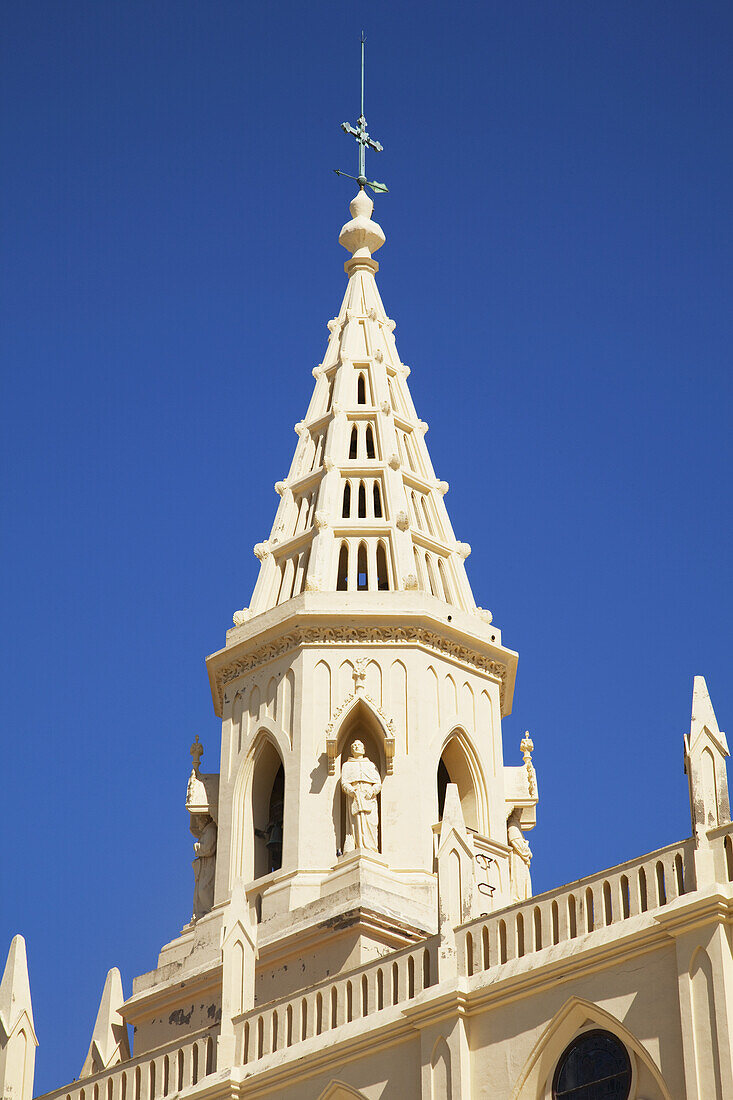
(458, 764)
(360, 724)
(575, 1018)
(259, 811)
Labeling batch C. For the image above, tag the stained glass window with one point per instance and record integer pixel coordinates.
(595, 1066)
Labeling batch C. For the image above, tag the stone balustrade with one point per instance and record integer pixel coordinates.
(580, 909)
(161, 1072)
(395, 980)
(583, 907)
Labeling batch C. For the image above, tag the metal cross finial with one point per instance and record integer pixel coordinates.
(363, 139)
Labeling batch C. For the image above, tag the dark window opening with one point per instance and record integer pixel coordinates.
(343, 570)
(362, 583)
(595, 1066)
(382, 575)
(377, 501)
(443, 781)
(362, 501)
(354, 442)
(346, 511)
(272, 834)
(370, 452)
(361, 391)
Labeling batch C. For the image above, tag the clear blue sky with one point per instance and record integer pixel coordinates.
(558, 261)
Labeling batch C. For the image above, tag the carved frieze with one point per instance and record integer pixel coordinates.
(354, 635)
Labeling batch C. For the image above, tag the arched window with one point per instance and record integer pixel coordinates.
(419, 570)
(370, 451)
(382, 575)
(431, 574)
(377, 501)
(301, 572)
(342, 578)
(444, 579)
(346, 510)
(413, 508)
(362, 500)
(330, 392)
(455, 766)
(362, 580)
(594, 1065)
(361, 391)
(268, 803)
(354, 442)
(426, 514)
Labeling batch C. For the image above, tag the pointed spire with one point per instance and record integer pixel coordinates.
(703, 716)
(17, 1032)
(239, 955)
(706, 749)
(452, 814)
(361, 508)
(110, 1044)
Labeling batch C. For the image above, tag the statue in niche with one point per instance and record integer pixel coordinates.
(361, 784)
(519, 860)
(204, 864)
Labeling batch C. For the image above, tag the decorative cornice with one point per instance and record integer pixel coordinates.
(354, 635)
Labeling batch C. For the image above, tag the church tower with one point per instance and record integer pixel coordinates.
(360, 693)
(363, 923)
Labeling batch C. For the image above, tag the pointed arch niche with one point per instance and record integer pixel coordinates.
(360, 722)
(259, 810)
(459, 764)
(575, 1017)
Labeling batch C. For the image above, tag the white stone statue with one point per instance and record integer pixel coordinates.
(361, 784)
(520, 859)
(204, 865)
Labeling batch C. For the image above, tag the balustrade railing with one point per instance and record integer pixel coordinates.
(575, 910)
(376, 986)
(161, 1072)
(556, 917)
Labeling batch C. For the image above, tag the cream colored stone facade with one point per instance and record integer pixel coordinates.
(399, 953)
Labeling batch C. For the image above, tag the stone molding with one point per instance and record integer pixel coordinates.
(353, 635)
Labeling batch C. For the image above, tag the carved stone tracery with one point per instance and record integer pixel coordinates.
(338, 635)
(387, 723)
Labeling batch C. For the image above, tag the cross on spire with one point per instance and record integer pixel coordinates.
(364, 141)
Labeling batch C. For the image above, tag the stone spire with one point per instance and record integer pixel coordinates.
(361, 508)
(110, 1044)
(17, 1033)
(706, 750)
